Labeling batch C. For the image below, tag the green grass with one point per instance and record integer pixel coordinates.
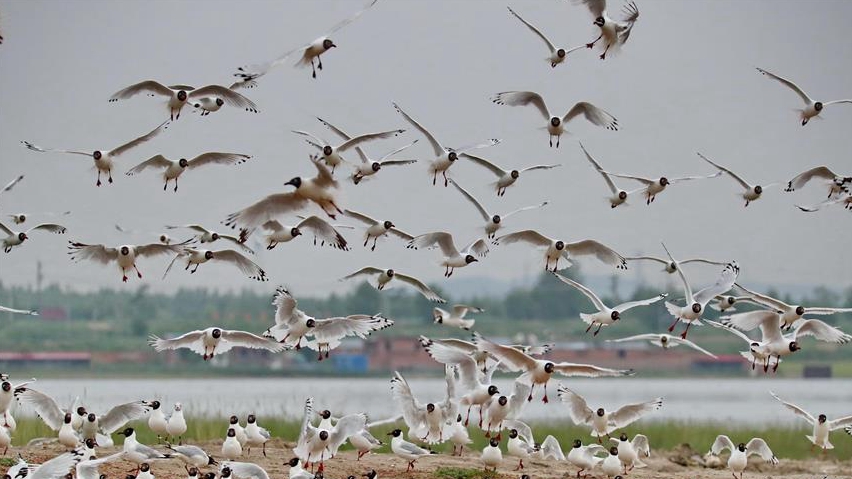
(785, 441)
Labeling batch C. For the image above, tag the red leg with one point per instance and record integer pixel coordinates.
(683, 335)
(671, 328)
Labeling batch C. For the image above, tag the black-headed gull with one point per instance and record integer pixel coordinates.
(385, 276)
(364, 442)
(21, 218)
(611, 465)
(4, 309)
(191, 455)
(88, 468)
(125, 255)
(444, 155)
(812, 107)
(555, 124)
(317, 445)
(505, 178)
(453, 258)
(15, 238)
(297, 471)
(234, 423)
(836, 183)
(493, 222)
(484, 361)
(255, 435)
(426, 422)
(195, 257)
(136, 452)
(630, 453)
(845, 200)
(157, 422)
(790, 313)
(54, 416)
(455, 318)
(104, 158)
(231, 447)
(323, 232)
(557, 54)
(173, 169)
(176, 425)
(180, 95)
(328, 332)
(726, 303)
(501, 409)
(617, 195)
(459, 436)
(551, 450)
(605, 315)
(615, 33)
(521, 443)
(377, 229)
(204, 235)
(751, 193)
(538, 371)
(319, 190)
(239, 470)
(696, 304)
(585, 457)
(822, 426)
(406, 450)
(310, 52)
(601, 421)
(554, 250)
(654, 186)
(56, 468)
(492, 456)
(7, 392)
(664, 341)
(670, 266)
(100, 427)
(331, 154)
(214, 340)
(366, 167)
(739, 453)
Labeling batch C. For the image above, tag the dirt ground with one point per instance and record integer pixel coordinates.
(662, 464)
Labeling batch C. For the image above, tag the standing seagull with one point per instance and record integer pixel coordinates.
(696, 304)
(492, 222)
(613, 32)
(605, 315)
(822, 426)
(211, 341)
(505, 178)
(173, 169)
(554, 250)
(557, 55)
(176, 427)
(125, 255)
(619, 196)
(179, 95)
(739, 454)
(139, 453)
(453, 258)
(310, 52)
(555, 124)
(601, 421)
(444, 156)
(104, 158)
(751, 193)
(376, 229)
(812, 108)
(385, 276)
(406, 450)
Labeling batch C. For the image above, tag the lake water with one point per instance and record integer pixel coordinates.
(741, 400)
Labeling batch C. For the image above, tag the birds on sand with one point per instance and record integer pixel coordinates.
(585, 457)
(812, 107)
(409, 451)
(630, 453)
(492, 456)
(740, 453)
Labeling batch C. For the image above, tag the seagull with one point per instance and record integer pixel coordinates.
(846, 200)
(139, 453)
(453, 258)
(611, 465)
(426, 422)
(327, 333)
(726, 303)
(104, 158)
(234, 423)
(556, 249)
(538, 371)
(7, 392)
(88, 469)
(212, 104)
(195, 257)
(176, 426)
(491, 455)
(255, 435)
(377, 229)
(297, 471)
(556, 125)
(12, 184)
(100, 427)
(211, 341)
(385, 276)
(629, 452)
(521, 443)
(157, 422)
(241, 470)
(331, 154)
(493, 223)
(323, 443)
(456, 317)
(15, 238)
(739, 454)
(664, 341)
(21, 218)
(551, 450)
(835, 182)
(173, 169)
(696, 304)
(55, 417)
(311, 51)
(557, 55)
(670, 266)
(318, 189)
(321, 229)
(4, 309)
(585, 457)
(406, 450)
(56, 468)
(499, 410)
(459, 435)
(204, 235)
(367, 167)
(481, 357)
(505, 178)
(125, 255)
(822, 426)
(444, 156)
(601, 421)
(191, 455)
(751, 193)
(605, 315)
(654, 186)
(619, 196)
(613, 32)
(231, 447)
(790, 313)
(812, 108)
(180, 95)
(364, 442)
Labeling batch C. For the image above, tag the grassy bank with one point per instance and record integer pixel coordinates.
(786, 442)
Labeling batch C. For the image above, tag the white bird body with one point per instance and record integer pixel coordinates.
(136, 452)
(5, 438)
(554, 250)
(505, 178)
(750, 192)
(459, 435)
(739, 454)
(601, 421)
(584, 457)
(426, 422)
(452, 257)
(364, 442)
(173, 169)
(195, 257)
(179, 95)
(377, 229)
(176, 425)
(15, 238)
(240, 432)
(455, 318)
(385, 276)
(631, 452)
(790, 313)
(614, 33)
(125, 255)
(256, 435)
(492, 456)
(812, 107)
(557, 54)
(321, 229)
(664, 341)
(493, 222)
(214, 340)
(67, 436)
(611, 465)
(406, 450)
(231, 447)
(822, 426)
(157, 420)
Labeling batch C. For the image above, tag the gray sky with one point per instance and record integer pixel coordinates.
(684, 82)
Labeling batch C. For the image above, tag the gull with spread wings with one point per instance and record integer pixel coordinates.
(173, 169)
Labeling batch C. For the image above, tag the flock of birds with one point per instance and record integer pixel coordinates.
(469, 365)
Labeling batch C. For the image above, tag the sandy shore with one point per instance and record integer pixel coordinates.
(662, 464)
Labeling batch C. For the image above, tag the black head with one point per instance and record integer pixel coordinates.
(560, 245)
(599, 21)
(458, 418)
(622, 437)
(7, 386)
(515, 174)
(496, 219)
(818, 106)
(370, 475)
(325, 414)
(388, 225)
(193, 471)
(555, 121)
(758, 189)
(251, 419)
(125, 250)
(577, 443)
(794, 346)
(155, 404)
(232, 432)
(92, 418)
(293, 462)
(548, 367)
(327, 43)
(731, 300)
(664, 181)
(233, 419)
(91, 443)
(311, 323)
(225, 472)
(390, 273)
(696, 308)
(208, 255)
(220, 102)
(20, 218)
(165, 239)
(560, 53)
(664, 339)
(296, 182)
(67, 419)
(615, 315)
(97, 155)
(513, 433)
(395, 433)
(323, 435)
(600, 412)
(81, 411)
(469, 259)
(144, 467)
(127, 432)
(494, 442)
(217, 333)
(430, 407)
(492, 390)
(22, 236)
(183, 162)
(622, 195)
(327, 150)
(181, 95)
(822, 418)
(453, 156)
(502, 400)
(613, 450)
(800, 310)
(741, 447)
(672, 266)
(376, 166)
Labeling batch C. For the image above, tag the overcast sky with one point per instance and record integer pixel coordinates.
(685, 82)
